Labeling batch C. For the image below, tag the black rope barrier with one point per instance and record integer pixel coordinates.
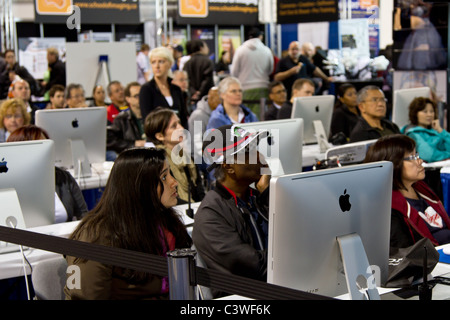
(153, 264)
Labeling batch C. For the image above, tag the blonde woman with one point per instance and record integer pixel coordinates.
(160, 91)
(13, 115)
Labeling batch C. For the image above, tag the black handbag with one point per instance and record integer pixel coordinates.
(406, 264)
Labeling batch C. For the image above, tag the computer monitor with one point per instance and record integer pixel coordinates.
(283, 151)
(311, 109)
(313, 214)
(401, 101)
(79, 136)
(28, 167)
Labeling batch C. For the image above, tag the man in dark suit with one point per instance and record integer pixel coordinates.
(278, 97)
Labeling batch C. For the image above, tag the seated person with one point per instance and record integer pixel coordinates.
(56, 96)
(373, 123)
(417, 211)
(69, 200)
(433, 143)
(127, 129)
(118, 103)
(231, 110)
(163, 128)
(231, 225)
(278, 97)
(21, 90)
(301, 88)
(134, 213)
(13, 115)
(98, 97)
(346, 112)
(199, 118)
(75, 97)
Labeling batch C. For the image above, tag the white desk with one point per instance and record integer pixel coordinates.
(310, 154)
(11, 263)
(100, 174)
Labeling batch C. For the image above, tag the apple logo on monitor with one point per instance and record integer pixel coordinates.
(75, 123)
(317, 108)
(3, 167)
(344, 201)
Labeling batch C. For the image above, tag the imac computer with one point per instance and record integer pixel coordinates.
(79, 136)
(327, 227)
(283, 150)
(27, 183)
(401, 101)
(312, 110)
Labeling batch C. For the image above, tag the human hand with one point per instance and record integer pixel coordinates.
(436, 125)
(263, 183)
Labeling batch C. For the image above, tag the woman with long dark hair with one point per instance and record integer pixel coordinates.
(134, 213)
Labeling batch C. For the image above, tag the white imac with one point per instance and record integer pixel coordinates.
(79, 136)
(283, 150)
(311, 109)
(401, 101)
(28, 168)
(325, 229)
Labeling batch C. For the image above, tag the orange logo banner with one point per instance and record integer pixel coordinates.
(193, 8)
(55, 7)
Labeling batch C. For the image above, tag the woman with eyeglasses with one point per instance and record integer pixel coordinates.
(433, 142)
(417, 211)
(13, 115)
(231, 110)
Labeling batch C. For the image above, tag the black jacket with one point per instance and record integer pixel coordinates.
(271, 113)
(285, 111)
(223, 238)
(200, 70)
(363, 131)
(343, 120)
(123, 132)
(57, 74)
(70, 194)
(150, 97)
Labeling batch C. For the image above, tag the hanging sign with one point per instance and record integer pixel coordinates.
(298, 11)
(221, 12)
(87, 11)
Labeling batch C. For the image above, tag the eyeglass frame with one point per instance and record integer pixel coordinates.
(375, 100)
(414, 157)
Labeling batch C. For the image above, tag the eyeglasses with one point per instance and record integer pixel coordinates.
(15, 116)
(280, 91)
(412, 157)
(375, 100)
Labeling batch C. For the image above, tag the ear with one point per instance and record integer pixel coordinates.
(159, 136)
(361, 107)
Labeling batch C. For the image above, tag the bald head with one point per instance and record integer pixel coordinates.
(308, 49)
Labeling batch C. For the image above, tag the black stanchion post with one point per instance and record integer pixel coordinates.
(181, 267)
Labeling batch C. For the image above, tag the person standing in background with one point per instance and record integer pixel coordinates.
(253, 65)
(143, 64)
